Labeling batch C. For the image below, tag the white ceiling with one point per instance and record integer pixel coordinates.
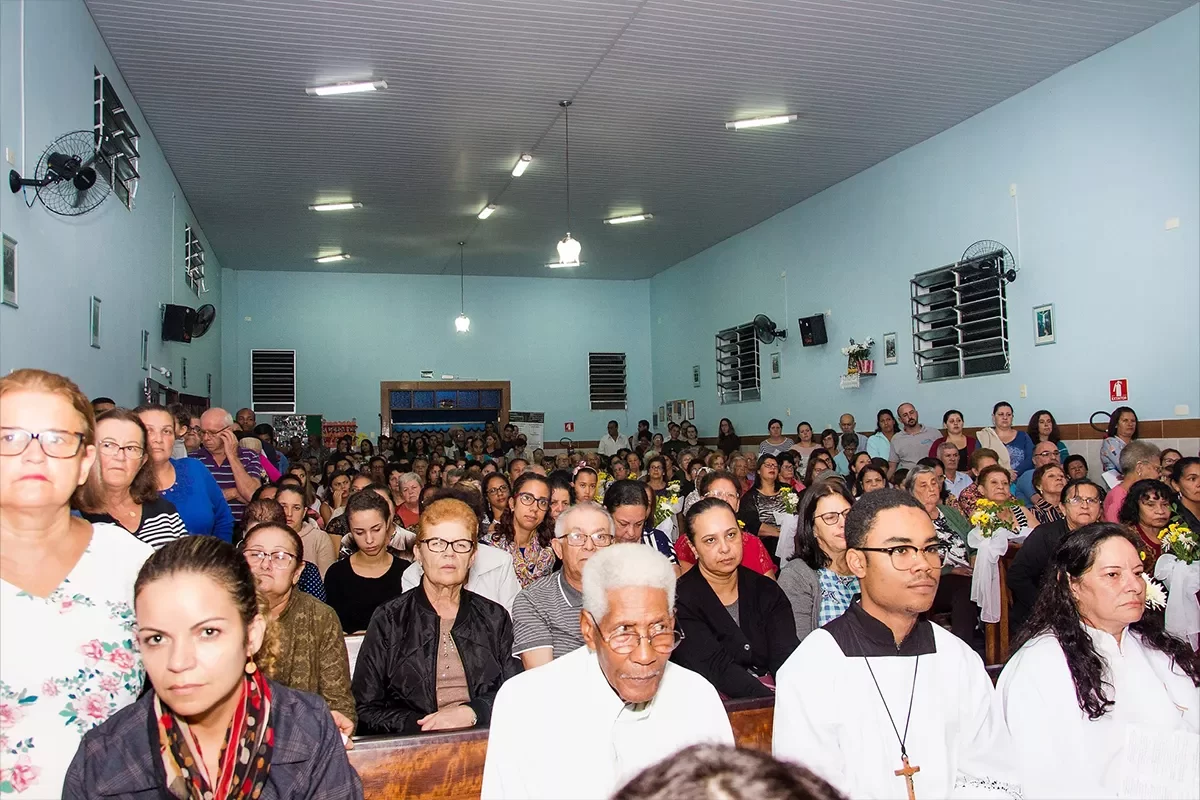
(473, 83)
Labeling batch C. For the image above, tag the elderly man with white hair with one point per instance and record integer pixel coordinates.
(238, 471)
(602, 713)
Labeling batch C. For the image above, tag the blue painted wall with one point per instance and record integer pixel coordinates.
(1102, 154)
(131, 260)
(353, 330)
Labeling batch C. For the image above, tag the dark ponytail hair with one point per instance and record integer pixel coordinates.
(225, 566)
(1055, 613)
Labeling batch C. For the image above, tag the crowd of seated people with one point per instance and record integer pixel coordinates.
(463, 560)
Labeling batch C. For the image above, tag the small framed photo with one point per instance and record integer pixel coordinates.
(145, 349)
(889, 349)
(691, 409)
(696, 376)
(662, 415)
(774, 365)
(1043, 324)
(94, 322)
(8, 277)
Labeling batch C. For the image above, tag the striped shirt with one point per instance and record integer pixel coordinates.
(160, 523)
(546, 614)
(224, 474)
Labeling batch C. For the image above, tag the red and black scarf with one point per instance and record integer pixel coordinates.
(245, 757)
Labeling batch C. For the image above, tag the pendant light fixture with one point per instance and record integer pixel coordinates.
(462, 323)
(568, 248)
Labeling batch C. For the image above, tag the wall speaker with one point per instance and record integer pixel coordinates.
(812, 330)
(177, 323)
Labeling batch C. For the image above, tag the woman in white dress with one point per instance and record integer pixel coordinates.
(1095, 667)
(67, 656)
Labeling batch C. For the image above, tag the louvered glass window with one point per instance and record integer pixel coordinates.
(737, 365)
(606, 381)
(273, 381)
(193, 261)
(116, 141)
(960, 319)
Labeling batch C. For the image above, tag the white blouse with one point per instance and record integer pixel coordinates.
(67, 662)
(1063, 753)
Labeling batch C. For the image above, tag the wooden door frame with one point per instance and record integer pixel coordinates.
(386, 387)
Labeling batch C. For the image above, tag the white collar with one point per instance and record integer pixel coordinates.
(1106, 642)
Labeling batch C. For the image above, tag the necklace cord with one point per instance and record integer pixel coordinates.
(902, 739)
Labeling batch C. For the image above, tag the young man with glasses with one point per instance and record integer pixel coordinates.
(546, 613)
(604, 712)
(1081, 500)
(881, 702)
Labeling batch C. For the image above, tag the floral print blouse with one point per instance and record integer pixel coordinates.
(67, 662)
(531, 562)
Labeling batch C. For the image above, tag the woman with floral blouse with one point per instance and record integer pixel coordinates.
(67, 656)
(523, 530)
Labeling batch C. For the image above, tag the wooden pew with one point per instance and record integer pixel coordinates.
(448, 766)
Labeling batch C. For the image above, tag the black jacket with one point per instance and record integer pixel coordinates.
(308, 760)
(730, 655)
(395, 677)
(1028, 568)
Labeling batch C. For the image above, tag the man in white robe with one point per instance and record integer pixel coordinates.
(600, 714)
(843, 698)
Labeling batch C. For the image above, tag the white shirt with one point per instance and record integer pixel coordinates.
(1061, 752)
(492, 576)
(609, 445)
(830, 718)
(589, 742)
(961, 481)
(78, 641)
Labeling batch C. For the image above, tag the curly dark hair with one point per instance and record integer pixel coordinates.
(506, 532)
(808, 549)
(1055, 613)
(1146, 489)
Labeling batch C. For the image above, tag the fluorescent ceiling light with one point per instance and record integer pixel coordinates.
(487, 211)
(522, 165)
(335, 257)
(334, 206)
(759, 122)
(560, 265)
(630, 218)
(348, 87)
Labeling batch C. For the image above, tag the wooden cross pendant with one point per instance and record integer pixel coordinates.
(908, 771)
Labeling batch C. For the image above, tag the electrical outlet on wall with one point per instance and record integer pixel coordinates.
(1024, 390)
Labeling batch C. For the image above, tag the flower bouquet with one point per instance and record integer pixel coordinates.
(789, 498)
(992, 529)
(667, 505)
(1179, 570)
(603, 479)
(856, 352)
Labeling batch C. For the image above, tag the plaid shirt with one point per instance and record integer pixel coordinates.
(837, 592)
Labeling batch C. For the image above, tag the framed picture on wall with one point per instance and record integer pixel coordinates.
(1043, 324)
(662, 415)
(94, 322)
(145, 349)
(696, 376)
(8, 277)
(691, 409)
(889, 349)
(774, 365)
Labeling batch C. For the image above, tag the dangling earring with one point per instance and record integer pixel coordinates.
(250, 666)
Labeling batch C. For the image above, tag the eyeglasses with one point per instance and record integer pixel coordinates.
(498, 490)
(728, 497)
(904, 556)
(440, 545)
(55, 444)
(204, 432)
(110, 448)
(1082, 501)
(623, 640)
(280, 558)
(832, 517)
(579, 538)
(528, 499)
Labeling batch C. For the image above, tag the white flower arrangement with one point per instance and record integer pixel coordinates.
(1156, 596)
(790, 499)
(859, 351)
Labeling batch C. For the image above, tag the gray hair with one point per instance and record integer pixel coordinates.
(947, 446)
(910, 480)
(410, 477)
(1137, 451)
(560, 524)
(621, 565)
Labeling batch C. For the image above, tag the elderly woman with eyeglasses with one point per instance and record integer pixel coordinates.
(954, 589)
(816, 580)
(434, 657)
(120, 489)
(312, 650)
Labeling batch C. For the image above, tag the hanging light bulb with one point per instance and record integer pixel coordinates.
(462, 323)
(569, 249)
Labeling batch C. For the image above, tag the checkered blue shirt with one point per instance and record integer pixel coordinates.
(836, 593)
